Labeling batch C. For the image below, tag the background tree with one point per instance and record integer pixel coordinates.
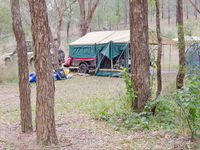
(61, 7)
(181, 45)
(86, 18)
(125, 10)
(195, 5)
(159, 54)
(45, 89)
(139, 52)
(24, 89)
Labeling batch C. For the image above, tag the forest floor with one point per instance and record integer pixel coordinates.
(76, 129)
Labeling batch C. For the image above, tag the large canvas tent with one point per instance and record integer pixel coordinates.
(109, 48)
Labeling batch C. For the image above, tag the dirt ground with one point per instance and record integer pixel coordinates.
(76, 129)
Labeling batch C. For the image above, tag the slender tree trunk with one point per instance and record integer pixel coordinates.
(162, 9)
(194, 5)
(68, 27)
(181, 45)
(57, 41)
(117, 12)
(158, 63)
(24, 88)
(195, 11)
(125, 11)
(45, 119)
(169, 13)
(140, 61)
(187, 10)
(86, 18)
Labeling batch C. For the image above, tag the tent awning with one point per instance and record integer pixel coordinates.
(102, 37)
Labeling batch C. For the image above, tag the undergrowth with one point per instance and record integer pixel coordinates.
(178, 111)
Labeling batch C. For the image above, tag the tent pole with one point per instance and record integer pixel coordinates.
(111, 63)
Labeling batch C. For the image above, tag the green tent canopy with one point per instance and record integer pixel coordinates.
(109, 48)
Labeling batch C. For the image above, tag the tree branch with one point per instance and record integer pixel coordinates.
(89, 17)
(192, 3)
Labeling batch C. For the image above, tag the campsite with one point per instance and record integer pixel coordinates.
(99, 75)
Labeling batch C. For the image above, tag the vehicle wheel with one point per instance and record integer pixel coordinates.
(83, 68)
(7, 61)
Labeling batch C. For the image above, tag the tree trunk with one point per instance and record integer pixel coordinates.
(85, 19)
(158, 63)
(125, 12)
(68, 27)
(181, 45)
(195, 6)
(169, 13)
(84, 28)
(187, 10)
(162, 9)
(24, 88)
(195, 11)
(45, 119)
(140, 61)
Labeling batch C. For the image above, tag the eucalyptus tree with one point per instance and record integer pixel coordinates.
(159, 54)
(181, 45)
(24, 87)
(140, 62)
(86, 14)
(45, 88)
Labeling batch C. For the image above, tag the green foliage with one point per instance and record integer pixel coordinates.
(188, 101)
(130, 94)
(178, 112)
(170, 34)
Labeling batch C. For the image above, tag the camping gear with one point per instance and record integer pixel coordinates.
(32, 77)
(106, 52)
(60, 74)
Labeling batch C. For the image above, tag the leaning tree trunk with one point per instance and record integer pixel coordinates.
(158, 63)
(45, 119)
(139, 52)
(86, 18)
(24, 88)
(181, 45)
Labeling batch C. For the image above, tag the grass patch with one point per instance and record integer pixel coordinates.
(9, 74)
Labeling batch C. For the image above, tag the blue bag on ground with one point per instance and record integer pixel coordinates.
(32, 77)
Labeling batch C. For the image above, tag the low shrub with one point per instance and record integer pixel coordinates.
(178, 111)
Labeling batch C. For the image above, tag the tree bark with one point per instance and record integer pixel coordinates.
(158, 63)
(181, 45)
(86, 18)
(24, 88)
(45, 119)
(140, 61)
